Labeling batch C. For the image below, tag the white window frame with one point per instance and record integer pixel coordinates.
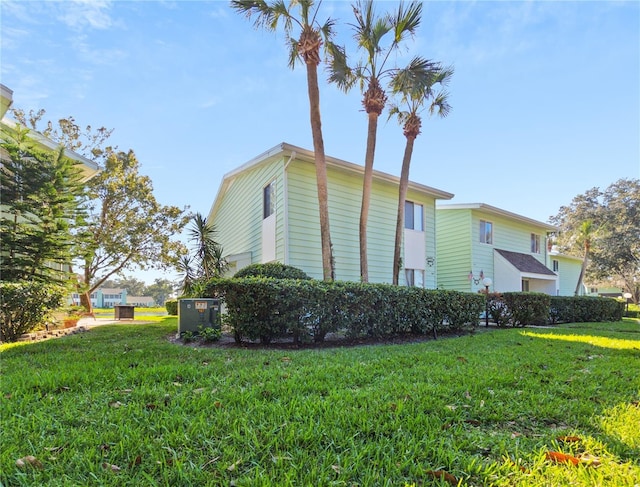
(414, 277)
(483, 232)
(413, 212)
(269, 200)
(535, 243)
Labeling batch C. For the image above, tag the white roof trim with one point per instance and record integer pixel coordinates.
(495, 211)
(299, 153)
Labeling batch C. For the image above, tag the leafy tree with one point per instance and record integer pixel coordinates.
(206, 260)
(416, 87)
(614, 243)
(134, 287)
(41, 205)
(371, 32)
(87, 142)
(306, 47)
(160, 291)
(126, 226)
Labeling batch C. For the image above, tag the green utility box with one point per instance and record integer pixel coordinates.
(194, 313)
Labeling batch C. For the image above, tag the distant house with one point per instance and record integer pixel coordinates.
(141, 301)
(105, 297)
(267, 211)
(477, 241)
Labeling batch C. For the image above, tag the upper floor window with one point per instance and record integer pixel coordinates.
(413, 216)
(269, 199)
(486, 232)
(535, 243)
(556, 265)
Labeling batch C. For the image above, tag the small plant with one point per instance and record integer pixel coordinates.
(188, 337)
(209, 334)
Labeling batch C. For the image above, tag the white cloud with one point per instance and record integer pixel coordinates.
(78, 14)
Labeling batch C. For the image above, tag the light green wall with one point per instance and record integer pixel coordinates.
(568, 274)
(453, 238)
(460, 249)
(238, 219)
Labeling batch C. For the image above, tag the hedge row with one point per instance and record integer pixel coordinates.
(172, 307)
(26, 305)
(307, 310)
(521, 309)
(584, 308)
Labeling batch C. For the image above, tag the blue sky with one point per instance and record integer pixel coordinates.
(545, 95)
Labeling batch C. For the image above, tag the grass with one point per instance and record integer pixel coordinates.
(122, 405)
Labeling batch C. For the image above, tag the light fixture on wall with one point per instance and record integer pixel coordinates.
(475, 280)
(431, 261)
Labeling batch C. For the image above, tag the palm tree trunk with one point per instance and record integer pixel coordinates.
(328, 271)
(583, 269)
(402, 195)
(366, 193)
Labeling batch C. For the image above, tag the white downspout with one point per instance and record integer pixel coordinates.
(286, 207)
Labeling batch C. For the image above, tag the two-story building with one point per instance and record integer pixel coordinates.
(477, 241)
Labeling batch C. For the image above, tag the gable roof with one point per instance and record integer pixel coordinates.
(525, 263)
(496, 211)
(293, 152)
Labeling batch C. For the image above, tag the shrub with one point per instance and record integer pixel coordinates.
(209, 334)
(172, 307)
(25, 305)
(267, 309)
(275, 270)
(527, 308)
(576, 309)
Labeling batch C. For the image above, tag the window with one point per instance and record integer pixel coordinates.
(269, 199)
(486, 232)
(535, 243)
(413, 216)
(414, 277)
(556, 265)
(525, 285)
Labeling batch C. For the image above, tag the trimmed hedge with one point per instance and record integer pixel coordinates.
(25, 305)
(579, 309)
(172, 307)
(275, 270)
(265, 309)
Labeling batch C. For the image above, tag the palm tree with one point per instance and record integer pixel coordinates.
(306, 47)
(415, 86)
(206, 260)
(370, 31)
(584, 235)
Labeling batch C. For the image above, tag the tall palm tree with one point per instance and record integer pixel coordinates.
(306, 47)
(208, 252)
(584, 235)
(370, 32)
(416, 89)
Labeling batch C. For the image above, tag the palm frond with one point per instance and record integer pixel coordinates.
(339, 71)
(406, 21)
(440, 105)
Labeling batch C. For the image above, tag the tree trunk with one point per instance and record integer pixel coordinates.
(402, 195)
(366, 193)
(583, 269)
(85, 301)
(328, 271)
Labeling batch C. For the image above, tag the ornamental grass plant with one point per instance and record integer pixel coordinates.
(125, 405)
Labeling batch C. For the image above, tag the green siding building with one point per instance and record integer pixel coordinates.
(477, 241)
(267, 211)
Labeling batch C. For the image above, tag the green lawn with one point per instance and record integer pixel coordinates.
(122, 405)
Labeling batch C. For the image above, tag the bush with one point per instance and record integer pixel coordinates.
(172, 307)
(275, 270)
(265, 309)
(25, 305)
(577, 309)
(527, 308)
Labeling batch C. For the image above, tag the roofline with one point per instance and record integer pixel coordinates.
(306, 155)
(496, 211)
(50, 144)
